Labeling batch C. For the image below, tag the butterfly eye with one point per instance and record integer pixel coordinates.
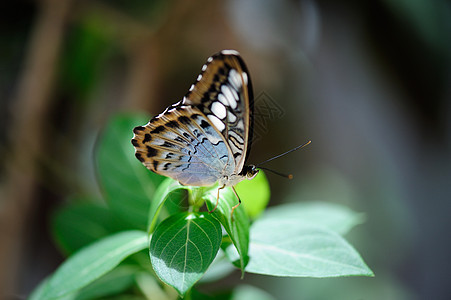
(251, 172)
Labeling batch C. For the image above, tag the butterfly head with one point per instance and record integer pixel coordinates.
(249, 172)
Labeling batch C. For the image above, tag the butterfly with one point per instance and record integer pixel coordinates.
(204, 138)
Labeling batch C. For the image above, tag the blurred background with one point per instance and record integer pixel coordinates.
(367, 81)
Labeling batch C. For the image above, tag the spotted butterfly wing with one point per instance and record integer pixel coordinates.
(205, 137)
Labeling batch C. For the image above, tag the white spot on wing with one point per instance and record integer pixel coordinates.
(191, 87)
(229, 96)
(223, 99)
(240, 124)
(209, 59)
(218, 109)
(235, 79)
(235, 94)
(216, 122)
(204, 67)
(230, 52)
(245, 79)
(231, 117)
(199, 77)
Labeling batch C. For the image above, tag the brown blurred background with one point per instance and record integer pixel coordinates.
(367, 81)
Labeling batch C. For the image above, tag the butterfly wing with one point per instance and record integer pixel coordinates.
(223, 92)
(206, 135)
(183, 145)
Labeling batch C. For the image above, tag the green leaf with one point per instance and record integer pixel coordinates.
(291, 247)
(241, 292)
(92, 262)
(152, 288)
(223, 294)
(246, 292)
(254, 194)
(79, 224)
(161, 195)
(183, 246)
(38, 291)
(127, 184)
(118, 280)
(238, 228)
(331, 216)
(176, 202)
(220, 268)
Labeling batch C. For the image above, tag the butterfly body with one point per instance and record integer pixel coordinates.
(204, 138)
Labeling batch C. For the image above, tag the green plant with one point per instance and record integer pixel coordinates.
(109, 246)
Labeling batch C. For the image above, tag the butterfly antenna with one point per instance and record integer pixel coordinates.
(280, 155)
(289, 176)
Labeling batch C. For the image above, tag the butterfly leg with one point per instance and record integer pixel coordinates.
(239, 202)
(217, 199)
